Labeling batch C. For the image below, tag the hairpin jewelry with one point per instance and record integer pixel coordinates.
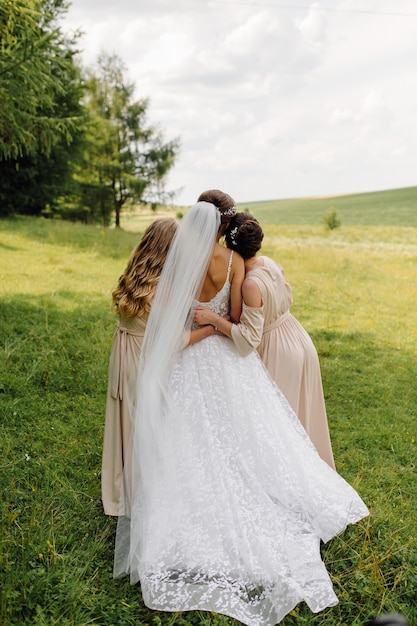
(232, 235)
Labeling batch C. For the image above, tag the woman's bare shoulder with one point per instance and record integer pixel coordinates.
(251, 293)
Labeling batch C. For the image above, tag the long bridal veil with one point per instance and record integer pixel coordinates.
(151, 395)
(228, 497)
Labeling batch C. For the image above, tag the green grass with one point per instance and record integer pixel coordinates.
(393, 207)
(355, 290)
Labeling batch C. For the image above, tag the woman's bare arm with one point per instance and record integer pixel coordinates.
(197, 334)
(237, 279)
(203, 315)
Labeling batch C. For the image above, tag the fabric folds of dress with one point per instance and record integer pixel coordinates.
(287, 351)
(123, 364)
(240, 498)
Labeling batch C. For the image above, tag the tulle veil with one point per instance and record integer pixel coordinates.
(226, 499)
(151, 395)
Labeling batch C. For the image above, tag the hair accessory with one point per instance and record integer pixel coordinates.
(230, 212)
(232, 234)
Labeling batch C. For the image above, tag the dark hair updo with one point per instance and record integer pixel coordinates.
(244, 234)
(222, 201)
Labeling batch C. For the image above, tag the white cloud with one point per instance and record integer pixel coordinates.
(341, 115)
(314, 153)
(270, 102)
(313, 25)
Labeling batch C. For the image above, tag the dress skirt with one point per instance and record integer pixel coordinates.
(236, 500)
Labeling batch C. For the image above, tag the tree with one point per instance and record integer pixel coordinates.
(34, 63)
(128, 157)
(41, 115)
(331, 220)
(34, 183)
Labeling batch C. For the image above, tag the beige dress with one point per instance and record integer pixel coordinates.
(287, 351)
(124, 358)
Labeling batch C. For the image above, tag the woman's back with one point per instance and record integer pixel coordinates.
(224, 266)
(276, 292)
(290, 355)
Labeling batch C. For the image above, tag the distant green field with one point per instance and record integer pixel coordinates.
(396, 207)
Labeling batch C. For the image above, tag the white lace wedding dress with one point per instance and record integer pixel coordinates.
(233, 519)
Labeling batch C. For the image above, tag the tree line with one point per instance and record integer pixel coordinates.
(75, 142)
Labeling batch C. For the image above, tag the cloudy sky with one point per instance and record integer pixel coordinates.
(270, 98)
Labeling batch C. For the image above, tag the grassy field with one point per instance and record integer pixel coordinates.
(390, 208)
(355, 290)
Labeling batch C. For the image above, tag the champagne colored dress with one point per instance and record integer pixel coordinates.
(124, 359)
(287, 351)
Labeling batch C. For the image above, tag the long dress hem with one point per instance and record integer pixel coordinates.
(236, 498)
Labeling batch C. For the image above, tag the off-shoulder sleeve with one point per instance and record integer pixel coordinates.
(247, 334)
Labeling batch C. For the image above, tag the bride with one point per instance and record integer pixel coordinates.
(229, 497)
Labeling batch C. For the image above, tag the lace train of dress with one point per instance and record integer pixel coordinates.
(230, 499)
(240, 506)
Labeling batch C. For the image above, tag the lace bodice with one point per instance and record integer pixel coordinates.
(220, 303)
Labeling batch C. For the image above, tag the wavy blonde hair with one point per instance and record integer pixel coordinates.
(136, 288)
